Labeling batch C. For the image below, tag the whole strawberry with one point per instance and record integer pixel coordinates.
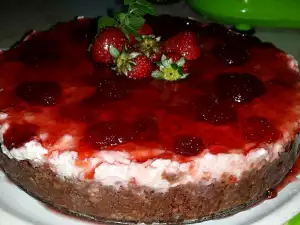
(170, 68)
(175, 58)
(121, 29)
(185, 44)
(145, 30)
(107, 38)
(150, 46)
(134, 65)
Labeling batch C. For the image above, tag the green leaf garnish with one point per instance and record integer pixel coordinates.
(180, 70)
(141, 8)
(159, 63)
(180, 62)
(114, 52)
(132, 20)
(174, 66)
(156, 74)
(106, 21)
(132, 23)
(128, 2)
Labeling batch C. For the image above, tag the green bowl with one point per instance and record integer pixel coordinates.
(245, 14)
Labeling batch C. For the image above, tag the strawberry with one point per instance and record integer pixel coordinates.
(151, 47)
(170, 68)
(145, 30)
(105, 39)
(142, 67)
(175, 57)
(134, 65)
(121, 26)
(185, 44)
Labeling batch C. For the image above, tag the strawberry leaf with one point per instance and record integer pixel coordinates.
(135, 21)
(139, 38)
(180, 70)
(156, 74)
(181, 62)
(128, 2)
(141, 8)
(185, 75)
(121, 17)
(114, 52)
(106, 21)
(175, 66)
(129, 22)
(159, 63)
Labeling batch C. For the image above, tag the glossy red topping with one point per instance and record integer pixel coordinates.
(258, 129)
(239, 87)
(239, 91)
(187, 145)
(18, 134)
(40, 93)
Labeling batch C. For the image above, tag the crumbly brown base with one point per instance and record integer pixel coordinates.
(182, 204)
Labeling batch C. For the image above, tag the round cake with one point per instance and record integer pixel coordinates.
(208, 133)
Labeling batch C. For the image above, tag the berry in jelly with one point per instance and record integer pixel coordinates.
(106, 134)
(212, 110)
(146, 128)
(258, 129)
(108, 90)
(232, 54)
(39, 93)
(188, 145)
(239, 88)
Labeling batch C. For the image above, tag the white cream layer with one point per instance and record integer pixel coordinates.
(115, 168)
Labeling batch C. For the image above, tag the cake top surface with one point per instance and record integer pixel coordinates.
(240, 94)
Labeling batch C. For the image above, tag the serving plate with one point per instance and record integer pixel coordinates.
(18, 208)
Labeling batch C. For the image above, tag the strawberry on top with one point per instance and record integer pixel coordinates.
(128, 43)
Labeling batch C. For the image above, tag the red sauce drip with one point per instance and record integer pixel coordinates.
(272, 193)
(233, 95)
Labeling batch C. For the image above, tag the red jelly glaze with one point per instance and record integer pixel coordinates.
(18, 134)
(52, 77)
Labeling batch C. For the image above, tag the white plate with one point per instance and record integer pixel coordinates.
(18, 208)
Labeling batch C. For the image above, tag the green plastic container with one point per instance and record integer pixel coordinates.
(294, 221)
(245, 14)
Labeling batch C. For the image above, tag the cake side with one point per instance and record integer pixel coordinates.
(189, 202)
